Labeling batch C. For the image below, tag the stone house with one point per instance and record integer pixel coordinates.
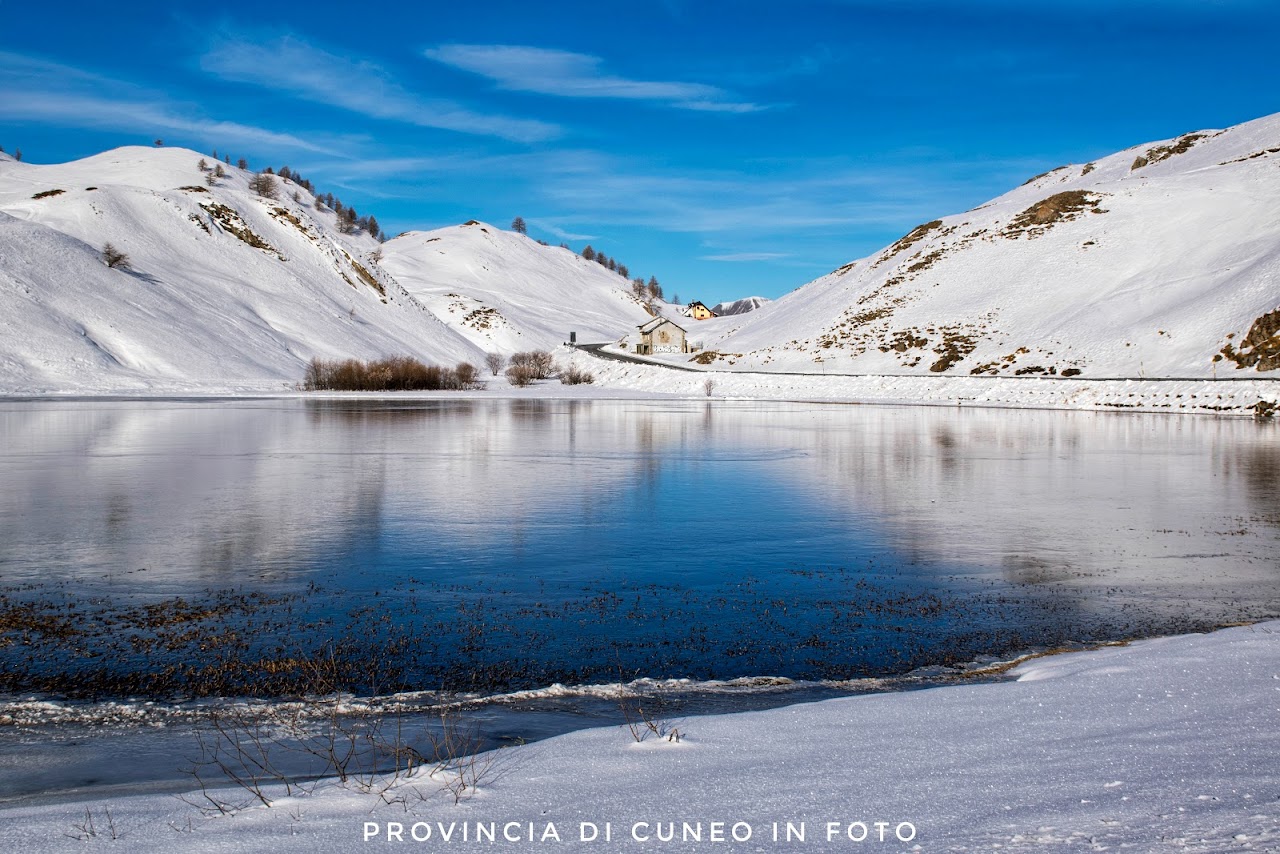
(661, 335)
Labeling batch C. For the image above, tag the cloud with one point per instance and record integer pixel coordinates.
(293, 66)
(746, 256)
(37, 90)
(578, 75)
(552, 226)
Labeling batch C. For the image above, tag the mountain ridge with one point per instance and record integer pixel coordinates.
(1147, 262)
(225, 288)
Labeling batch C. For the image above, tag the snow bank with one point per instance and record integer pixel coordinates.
(1235, 397)
(1168, 744)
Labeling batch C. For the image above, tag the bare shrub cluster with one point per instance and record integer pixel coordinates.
(645, 716)
(574, 375)
(397, 373)
(539, 361)
(520, 375)
(527, 367)
(268, 751)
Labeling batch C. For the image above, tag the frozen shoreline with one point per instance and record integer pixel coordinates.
(616, 380)
(1165, 744)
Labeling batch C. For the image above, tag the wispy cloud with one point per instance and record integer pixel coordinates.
(550, 226)
(293, 66)
(37, 90)
(578, 75)
(746, 256)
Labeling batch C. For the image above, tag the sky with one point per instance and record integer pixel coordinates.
(729, 148)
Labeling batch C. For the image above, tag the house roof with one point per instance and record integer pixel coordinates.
(653, 324)
(692, 308)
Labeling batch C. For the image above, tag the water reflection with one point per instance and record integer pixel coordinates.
(551, 540)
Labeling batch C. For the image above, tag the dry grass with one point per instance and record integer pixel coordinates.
(912, 237)
(1060, 207)
(954, 348)
(229, 220)
(1181, 145)
(1260, 347)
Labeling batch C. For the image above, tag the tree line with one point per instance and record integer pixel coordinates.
(264, 184)
(646, 291)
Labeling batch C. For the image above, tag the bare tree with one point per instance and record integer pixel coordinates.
(114, 258)
(495, 362)
(518, 226)
(264, 184)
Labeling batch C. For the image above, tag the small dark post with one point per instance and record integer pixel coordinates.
(573, 339)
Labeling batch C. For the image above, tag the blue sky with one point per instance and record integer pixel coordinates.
(730, 148)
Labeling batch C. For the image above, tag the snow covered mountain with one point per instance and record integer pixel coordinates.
(1160, 260)
(225, 289)
(505, 292)
(739, 306)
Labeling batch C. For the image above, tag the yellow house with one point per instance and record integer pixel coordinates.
(698, 311)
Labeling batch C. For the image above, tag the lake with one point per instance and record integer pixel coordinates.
(174, 550)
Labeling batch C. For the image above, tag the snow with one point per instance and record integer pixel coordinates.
(739, 306)
(1165, 744)
(520, 294)
(1175, 260)
(1178, 255)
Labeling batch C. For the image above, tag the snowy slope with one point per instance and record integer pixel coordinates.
(225, 290)
(505, 292)
(1144, 263)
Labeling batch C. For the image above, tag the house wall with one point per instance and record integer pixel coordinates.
(667, 338)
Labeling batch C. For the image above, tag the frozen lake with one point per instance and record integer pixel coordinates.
(180, 549)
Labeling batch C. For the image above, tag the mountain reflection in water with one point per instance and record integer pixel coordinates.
(491, 545)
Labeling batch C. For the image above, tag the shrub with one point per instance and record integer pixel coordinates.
(539, 362)
(573, 375)
(468, 375)
(521, 375)
(396, 373)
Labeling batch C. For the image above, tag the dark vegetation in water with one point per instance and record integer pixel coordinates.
(806, 624)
